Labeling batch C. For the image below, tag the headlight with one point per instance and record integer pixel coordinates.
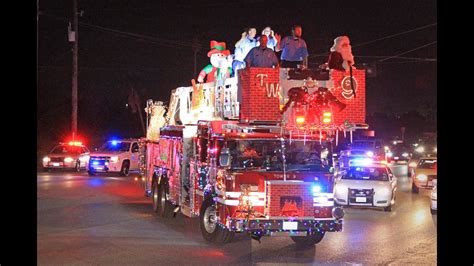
(321, 200)
(114, 159)
(316, 189)
(389, 154)
(405, 154)
(68, 160)
(420, 149)
(370, 153)
(46, 159)
(422, 177)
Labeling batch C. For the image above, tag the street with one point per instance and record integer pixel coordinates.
(106, 219)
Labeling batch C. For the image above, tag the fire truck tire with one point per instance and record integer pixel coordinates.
(210, 229)
(125, 170)
(159, 199)
(387, 209)
(414, 188)
(309, 240)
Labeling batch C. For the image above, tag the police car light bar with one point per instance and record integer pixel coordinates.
(361, 162)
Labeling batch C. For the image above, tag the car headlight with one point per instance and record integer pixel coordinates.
(405, 154)
(68, 160)
(422, 177)
(114, 159)
(420, 149)
(316, 189)
(46, 159)
(370, 153)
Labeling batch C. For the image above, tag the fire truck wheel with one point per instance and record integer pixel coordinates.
(309, 240)
(210, 229)
(125, 170)
(387, 209)
(414, 188)
(159, 199)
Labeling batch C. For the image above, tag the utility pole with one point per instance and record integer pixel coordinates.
(74, 71)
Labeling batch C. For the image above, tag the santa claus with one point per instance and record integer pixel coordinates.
(341, 56)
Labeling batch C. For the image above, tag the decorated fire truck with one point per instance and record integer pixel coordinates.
(253, 153)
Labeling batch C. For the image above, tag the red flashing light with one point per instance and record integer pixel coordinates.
(75, 143)
(327, 117)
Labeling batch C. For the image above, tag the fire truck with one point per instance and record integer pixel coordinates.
(251, 153)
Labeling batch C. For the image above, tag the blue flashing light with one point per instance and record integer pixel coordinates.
(114, 142)
(95, 163)
(361, 162)
(316, 189)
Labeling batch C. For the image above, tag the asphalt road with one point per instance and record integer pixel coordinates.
(106, 220)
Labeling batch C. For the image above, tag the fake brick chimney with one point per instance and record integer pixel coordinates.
(355, 106)
(260, 94)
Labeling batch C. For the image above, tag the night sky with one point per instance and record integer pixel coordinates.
(148, 45)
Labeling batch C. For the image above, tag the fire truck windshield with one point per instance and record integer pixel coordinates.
(267, 155)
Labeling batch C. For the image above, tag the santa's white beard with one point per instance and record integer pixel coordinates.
(347, 56)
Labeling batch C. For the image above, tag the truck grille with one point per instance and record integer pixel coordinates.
(57, 159)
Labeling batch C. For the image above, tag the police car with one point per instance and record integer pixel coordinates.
(366, 183)
(73, 155)
(120, 156)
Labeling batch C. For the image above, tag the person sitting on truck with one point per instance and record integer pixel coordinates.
(261, 56)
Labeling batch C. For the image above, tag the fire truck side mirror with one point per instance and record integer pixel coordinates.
(224, 158)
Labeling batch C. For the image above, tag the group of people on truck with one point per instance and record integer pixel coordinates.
(253, 51)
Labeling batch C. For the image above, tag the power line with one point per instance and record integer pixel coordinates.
(417, 48)
(384, 56)
(402, 62)
(151, 39)
(396, 34)
(387, 37)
